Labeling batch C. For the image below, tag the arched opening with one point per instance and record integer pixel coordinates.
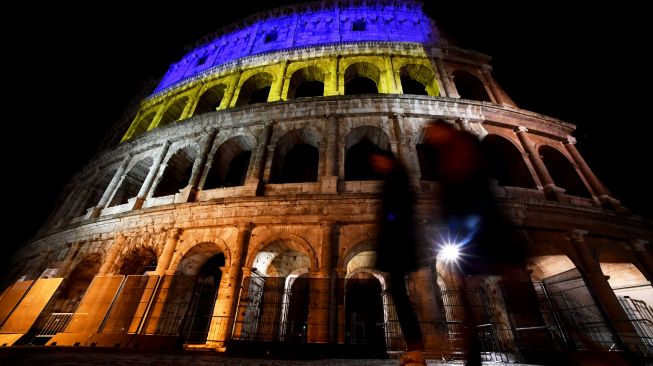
(58, 312)
(255, 90)
(306, 82)
(138, 261)
(360, 143)
(296, 157)
(143, 124)
(362, 78)
(470, 87)
(364, 318)
(418, 80)
(566, 304)
(174, 111)
(230, 163)
(563, 173)
(95, 190)
(277, 291)
(506, 163)
(210, 100)
(197, 320)
(177, 172)
(629, 284)
(131, 182)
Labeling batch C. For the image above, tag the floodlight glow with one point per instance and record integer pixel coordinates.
(450, 252)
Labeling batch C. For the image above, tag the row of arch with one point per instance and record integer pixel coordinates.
(310, 81)
(297, 157)
(289, 262)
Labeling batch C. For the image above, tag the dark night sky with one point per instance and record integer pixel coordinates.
(71, 76)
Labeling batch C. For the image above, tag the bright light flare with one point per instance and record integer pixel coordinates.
(450, 252)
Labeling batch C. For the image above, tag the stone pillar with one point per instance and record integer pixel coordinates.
(329, 156)
(227, 304)
(598, 188)
(147, 184)
(405, 148)
(602, 292)
(112, 254)
(73, 248)
(390, 76)
(157, 117)
(192, 102)
(227, 100)
(550, 189)
(277, 88)
(199, 166)
(168, 251)
(447, 81)
(254, 180)
(339, 319)
(113, 185)
(642, 254)
(489, 80)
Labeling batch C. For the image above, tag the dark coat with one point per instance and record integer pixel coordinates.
(398, 245)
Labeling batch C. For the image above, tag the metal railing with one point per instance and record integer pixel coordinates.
(54, 324)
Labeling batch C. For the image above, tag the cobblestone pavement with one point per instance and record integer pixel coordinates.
(82, 357)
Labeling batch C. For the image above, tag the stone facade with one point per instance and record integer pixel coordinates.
(156, 235)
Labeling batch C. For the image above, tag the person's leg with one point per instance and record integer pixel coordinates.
(407, 320)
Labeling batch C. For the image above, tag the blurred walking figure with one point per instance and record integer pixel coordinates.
(475, 226)
(399, 249)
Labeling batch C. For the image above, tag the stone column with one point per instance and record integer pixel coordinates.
(112, 254)
(73, 248)
(330, 177)
(192, 103)
(598, 188)
(277, 88)
(147, 184)
(227, 100)
(489, 80)
(199, 166)
(113, 185)
(227, 304)
(405, 148)
(339, 319)
(447, 81)
(390, 76)
(602, 292)
(254, 180)
(168, 251)
(639, 248)
(550, 189)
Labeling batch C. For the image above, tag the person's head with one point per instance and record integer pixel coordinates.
(437, 132)
(382, 161)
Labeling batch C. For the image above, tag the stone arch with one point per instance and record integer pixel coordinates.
(95, 190)
(506, 162)
(256, 89)
(563, 172)
(191, 261)
(211, 99)
(469, 86)
(174, 111)
(418, 79)
(177, 172)
(545, 261)
(360, 142)
(230, 162)
(137, 261)
(143, 124)
(306, 82)
(277, 244)
(362, 78)
(354, 250)
(624, 276)
(76, 283)
(296, 157)
(132, 181)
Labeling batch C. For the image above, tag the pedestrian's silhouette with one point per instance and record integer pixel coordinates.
(399, 250)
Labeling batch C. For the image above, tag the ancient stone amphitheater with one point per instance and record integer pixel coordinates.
(239, 207)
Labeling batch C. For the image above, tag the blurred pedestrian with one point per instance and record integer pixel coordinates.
(399, 250)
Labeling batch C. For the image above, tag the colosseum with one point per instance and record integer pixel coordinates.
(239, 208)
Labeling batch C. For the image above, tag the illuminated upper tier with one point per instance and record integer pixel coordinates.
(307, 25)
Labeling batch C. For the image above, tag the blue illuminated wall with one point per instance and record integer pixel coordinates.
(390, 22)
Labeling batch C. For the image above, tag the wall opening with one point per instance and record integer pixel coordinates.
(131, 182)
(174, 111)
(210, 100)
(255, 90)
(470, 87)
(362, 78)
(177, 172)
(506, 162)
(306, 82)
(563, 173)
(418, 80)
(360, 143)
(296, 157)
(230, 163)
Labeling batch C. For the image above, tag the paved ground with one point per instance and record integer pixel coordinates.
(43, 356)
